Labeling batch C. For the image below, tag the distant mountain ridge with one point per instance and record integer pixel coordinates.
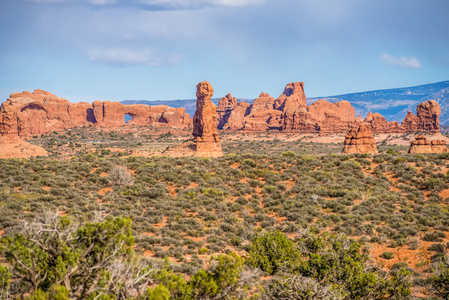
(188, 104)
(393, 104)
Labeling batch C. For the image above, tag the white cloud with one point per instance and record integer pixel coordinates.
(401, 62)
(122, 57)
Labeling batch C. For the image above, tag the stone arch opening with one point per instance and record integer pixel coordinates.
(128, 118)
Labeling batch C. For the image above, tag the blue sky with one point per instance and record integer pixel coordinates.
(85, 50)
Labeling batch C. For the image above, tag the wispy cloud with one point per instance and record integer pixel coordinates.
(158, 4)
(410, 62)
(195, 4)
(93, 2)
(122, 57)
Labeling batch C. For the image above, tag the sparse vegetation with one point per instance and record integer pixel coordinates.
(263, 194)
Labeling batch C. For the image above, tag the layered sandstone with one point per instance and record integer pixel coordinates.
(25, 114)
(422, 145)
(360, 141)
(289, 113)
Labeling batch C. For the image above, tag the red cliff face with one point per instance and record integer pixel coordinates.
(289, 113)
(26, 114)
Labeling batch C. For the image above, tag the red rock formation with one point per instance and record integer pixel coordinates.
(226, 103)
(205, 132)
(422, 145)
(237, 115)
(26, 114)
(380, 125)
(109, 114)
(264, 102)
(427, 118)
(224, 109)
(321, 116)
(40, 112)
(292, 97)
(263, 120)
(289, 113)
(360, 141)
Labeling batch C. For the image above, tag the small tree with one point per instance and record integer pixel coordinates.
(53, 250)
(120, 176)
(273, 251)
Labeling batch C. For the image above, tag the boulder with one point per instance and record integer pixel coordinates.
(360, 141)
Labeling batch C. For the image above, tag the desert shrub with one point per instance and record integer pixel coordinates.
(5, 276)
(440, 280)
(222, 280)
(431, 237)
(120, 176)
(387, 255)
(273, 252)
(53, 250)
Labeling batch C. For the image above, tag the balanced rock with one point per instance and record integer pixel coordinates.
(422, 145)
(360, 141)
(205, 133)
(205, 142)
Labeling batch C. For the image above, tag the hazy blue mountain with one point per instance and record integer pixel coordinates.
(393, 104)
(188, 104)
